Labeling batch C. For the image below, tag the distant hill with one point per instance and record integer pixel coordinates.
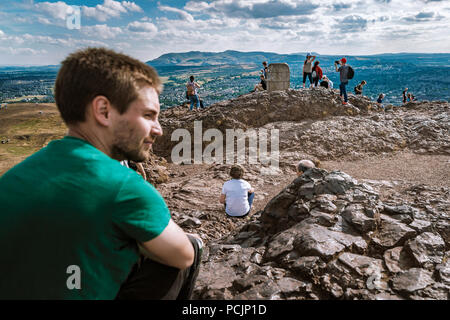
(229, 57)
(198, 58)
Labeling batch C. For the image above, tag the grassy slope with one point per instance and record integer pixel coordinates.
(27, 131)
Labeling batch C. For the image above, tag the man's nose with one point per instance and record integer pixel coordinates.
(156, 129)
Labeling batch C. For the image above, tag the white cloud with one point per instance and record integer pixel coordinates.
(181, 13)
(285, 26)
(144, 27)
(101, 31)
(254, 8)
(131, 6)
(110, 9)
(43, 20)
(57, 10)
(25, 51)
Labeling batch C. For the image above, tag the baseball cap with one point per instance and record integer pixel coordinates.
(344, 60)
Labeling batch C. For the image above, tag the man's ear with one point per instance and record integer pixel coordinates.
(101, 110)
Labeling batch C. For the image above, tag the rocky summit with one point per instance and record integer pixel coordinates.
(384, 234)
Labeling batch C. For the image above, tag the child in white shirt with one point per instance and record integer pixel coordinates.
(237, 194)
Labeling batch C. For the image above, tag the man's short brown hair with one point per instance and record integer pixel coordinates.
(237, 172)
(92, 72)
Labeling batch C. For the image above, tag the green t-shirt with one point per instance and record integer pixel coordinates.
(70, 204)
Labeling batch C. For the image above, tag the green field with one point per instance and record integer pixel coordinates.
(27, 127)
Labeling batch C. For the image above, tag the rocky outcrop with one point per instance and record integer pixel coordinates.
(254, 110)
(315, 120)
(326, 236)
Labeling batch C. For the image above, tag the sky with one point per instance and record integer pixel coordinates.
(44, 32)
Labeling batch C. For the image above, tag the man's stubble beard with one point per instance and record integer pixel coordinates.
(126, 146)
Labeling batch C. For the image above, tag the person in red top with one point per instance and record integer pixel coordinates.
(316, 73)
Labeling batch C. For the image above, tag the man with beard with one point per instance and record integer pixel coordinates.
(72, 218)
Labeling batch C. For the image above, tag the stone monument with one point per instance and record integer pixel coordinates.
(279, 77)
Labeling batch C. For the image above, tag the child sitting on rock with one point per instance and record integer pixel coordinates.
(237, 194)
(380, 100)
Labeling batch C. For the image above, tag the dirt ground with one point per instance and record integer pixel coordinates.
(191, 188)
(433, 170)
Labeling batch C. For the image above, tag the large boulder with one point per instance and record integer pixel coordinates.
(327, 236)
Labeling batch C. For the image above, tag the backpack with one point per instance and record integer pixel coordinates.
(350, 73)
(324, 84)
(190, 89)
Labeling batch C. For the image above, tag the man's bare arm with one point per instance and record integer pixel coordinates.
(172, 247)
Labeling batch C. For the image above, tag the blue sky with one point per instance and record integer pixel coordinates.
(37, 32)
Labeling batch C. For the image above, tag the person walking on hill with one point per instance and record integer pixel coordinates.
(192, 93)
(343, 72)
(237, 194)
(317, 73)
(307, 69)
(359, 88)
(81, 238)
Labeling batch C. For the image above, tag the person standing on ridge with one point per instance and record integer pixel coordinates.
(307, 69)
(192, 93)
(405, 98)
(359, 88)
(380, 100)
(343, 71)
(316, 73)
(265, 70)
